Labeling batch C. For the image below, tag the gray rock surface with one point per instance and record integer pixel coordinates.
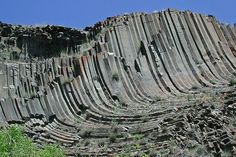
(160, 84)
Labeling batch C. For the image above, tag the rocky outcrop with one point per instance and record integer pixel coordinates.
(26, 42)
(156, 84)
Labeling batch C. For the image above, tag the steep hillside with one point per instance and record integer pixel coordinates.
(137, 84)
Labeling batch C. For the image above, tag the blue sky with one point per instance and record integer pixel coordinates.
(81, 13)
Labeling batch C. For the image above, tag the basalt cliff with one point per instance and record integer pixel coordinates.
(137, 84)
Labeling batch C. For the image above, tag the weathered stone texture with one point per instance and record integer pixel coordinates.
(159, 84)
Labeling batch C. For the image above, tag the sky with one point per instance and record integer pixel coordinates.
(82, 13)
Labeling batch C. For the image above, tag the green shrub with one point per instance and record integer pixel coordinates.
(199, 62)
(213, 82)
(153, 153)
(225, 154)
(164, 129)
(85, 132)
(101, 144)
(123, 154)
(189, 97)
(157, 98)
(194, 87)
(86, 143)
(33, 95)
(200, 150)
(232, 82)
(112, 137)
(85, 53)
(138, 136)
(13, 143)
(136, 146)
(124, 104)
(142, 48)
(115, 77)
(66, 80)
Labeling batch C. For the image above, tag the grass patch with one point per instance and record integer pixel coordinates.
(13, 143)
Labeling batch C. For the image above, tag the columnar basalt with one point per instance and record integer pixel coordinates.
(136, 84)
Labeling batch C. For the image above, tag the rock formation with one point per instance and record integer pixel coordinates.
(154, 84)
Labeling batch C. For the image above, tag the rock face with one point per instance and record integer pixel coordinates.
(155, 84)
(18, 42)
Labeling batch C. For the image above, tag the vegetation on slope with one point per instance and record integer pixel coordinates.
(13, 143)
